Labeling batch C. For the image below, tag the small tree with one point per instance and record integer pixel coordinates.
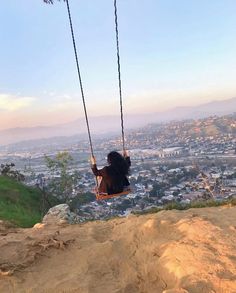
(62, 181)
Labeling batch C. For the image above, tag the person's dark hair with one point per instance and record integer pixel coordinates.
(118, 169)
(118, 163)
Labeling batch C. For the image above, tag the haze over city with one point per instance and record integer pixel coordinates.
(173, 53)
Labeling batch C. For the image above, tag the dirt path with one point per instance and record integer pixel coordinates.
(171, 251)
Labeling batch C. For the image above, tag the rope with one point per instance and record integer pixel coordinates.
(119, 76)
(79, 75)
(81, 85)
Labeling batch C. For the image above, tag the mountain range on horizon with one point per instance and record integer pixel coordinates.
(102, 125)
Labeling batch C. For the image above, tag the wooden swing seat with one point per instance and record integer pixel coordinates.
(102, 196)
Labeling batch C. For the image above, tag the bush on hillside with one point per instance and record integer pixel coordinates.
(20, 204)
(10, 171)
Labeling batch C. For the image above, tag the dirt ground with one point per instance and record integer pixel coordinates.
(171, 251)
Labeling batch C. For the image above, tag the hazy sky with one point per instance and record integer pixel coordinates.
(173, 53)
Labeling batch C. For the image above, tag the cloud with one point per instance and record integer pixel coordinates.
(64, 105)
(13, 103)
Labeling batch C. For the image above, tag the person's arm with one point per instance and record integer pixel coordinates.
(128, 161)
(94, 168)
(98, 172)
(127, 158)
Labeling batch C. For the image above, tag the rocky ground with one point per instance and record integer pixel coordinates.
(171, 251)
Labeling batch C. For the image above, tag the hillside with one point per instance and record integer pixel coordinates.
(19, 204)
(201, 128)
(172, 251)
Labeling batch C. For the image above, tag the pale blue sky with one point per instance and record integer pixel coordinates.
(173, 52)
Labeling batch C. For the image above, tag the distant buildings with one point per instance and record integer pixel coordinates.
(178, 161)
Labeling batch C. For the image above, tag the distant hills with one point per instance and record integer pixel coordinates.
(111, 124)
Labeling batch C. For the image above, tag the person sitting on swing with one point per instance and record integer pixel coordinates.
(114, 176)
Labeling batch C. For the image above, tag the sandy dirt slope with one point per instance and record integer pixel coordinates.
(171, 251)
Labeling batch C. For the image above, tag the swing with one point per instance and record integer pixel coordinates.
(99, 196)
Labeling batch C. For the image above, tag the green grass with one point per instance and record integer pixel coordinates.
(195, 204)
(19, 204)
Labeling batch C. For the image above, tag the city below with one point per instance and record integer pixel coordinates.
(180, 161)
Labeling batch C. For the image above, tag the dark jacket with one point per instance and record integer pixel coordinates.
(107, 184)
